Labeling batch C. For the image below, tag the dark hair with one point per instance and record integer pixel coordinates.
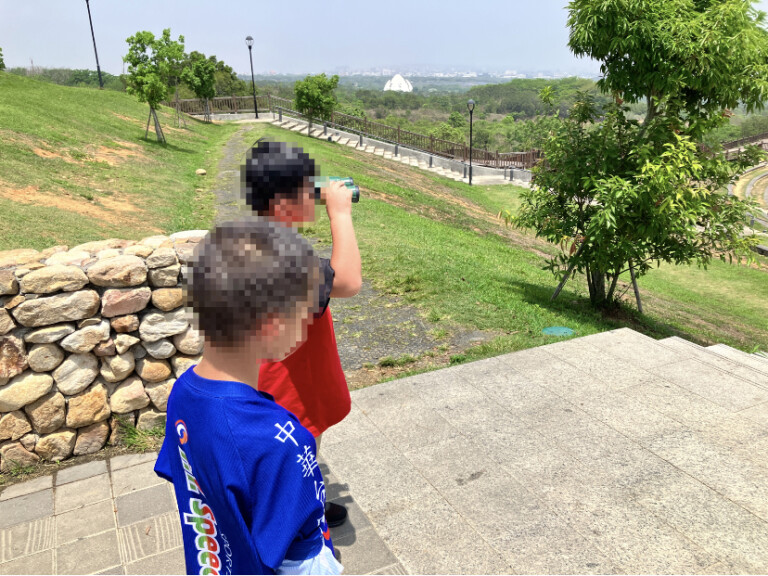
(245, 272)
(274, 169)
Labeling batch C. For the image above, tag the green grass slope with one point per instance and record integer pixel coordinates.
(74, 167)
(437, 244)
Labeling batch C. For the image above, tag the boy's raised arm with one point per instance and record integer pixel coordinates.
(345, 257)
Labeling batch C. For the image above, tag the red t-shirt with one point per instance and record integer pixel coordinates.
(310, 382)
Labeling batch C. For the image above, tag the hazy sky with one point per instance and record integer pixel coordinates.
(301, 36)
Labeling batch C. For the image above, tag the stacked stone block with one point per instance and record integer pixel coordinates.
(88, 335)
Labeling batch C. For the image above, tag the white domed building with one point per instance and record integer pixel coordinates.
(398, 84)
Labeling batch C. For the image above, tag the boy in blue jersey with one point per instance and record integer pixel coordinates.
(249, 489)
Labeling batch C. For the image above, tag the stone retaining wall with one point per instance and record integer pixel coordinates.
(88, 335)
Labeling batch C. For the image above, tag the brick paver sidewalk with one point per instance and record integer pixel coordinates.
(117, 516)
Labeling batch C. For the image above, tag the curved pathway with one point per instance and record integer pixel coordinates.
(752, 183)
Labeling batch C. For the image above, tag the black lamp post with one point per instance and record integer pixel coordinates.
(98, 69)
(471, 108)
(249, 43)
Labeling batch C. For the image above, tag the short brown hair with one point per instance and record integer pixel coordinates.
(245, 272)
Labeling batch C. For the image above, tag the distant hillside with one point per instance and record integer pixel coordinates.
(520, 97)
(74, 166)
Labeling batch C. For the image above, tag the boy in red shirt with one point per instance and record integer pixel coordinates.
(310, 383)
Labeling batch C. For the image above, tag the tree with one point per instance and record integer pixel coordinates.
(457, 120)
(481, 136)
(444, 131)
(154, 64)
(227, 82)
(619, 195)
(315, 97)
(2, 62)
(200, 75)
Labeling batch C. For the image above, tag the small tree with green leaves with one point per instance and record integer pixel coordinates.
(153, 65)
(444, 131)
(620, 195)
(2, 62)
(457, 120)
(200, 75)
(316, 97)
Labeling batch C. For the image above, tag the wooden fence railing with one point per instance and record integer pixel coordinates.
(374, 130)
(744, 141)
(422, 142)
(221, 105)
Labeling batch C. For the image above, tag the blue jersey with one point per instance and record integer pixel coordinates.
(248, 486)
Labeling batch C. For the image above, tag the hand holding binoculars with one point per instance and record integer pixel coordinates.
(348, 182)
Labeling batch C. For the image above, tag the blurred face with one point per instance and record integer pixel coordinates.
(295, 211)
(283, 336)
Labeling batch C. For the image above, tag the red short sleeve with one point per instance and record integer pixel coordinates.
(310, 382)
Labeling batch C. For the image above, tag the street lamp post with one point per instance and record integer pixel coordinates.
(249, 43)
(471, 108)
(98, 68)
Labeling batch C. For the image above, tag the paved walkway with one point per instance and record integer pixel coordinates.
(118, 517)
(612, 453)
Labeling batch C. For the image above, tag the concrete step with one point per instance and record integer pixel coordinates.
(352, 142)
(388, 155)
(734, 367)
(379, 151)
(343, 141)
(752, 360)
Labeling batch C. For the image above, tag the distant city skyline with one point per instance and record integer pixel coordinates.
(401, 36)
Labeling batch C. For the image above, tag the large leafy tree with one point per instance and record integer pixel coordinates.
(227, 82)
(200, 75)
(154, 65)
(620, 195)
(316, 97)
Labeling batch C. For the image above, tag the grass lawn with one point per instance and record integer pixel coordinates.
(74, 167)
(438, 244)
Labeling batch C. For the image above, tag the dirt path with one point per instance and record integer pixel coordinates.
(370, 327)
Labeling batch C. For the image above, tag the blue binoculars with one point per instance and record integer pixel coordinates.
(348, 182)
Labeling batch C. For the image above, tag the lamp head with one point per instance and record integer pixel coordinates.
(470, 105)
(249, 41)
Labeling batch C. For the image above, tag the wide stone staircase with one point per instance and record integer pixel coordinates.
(613, 453)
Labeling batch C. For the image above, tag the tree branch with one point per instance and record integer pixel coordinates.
(568, 272)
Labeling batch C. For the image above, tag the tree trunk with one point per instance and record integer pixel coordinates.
(597, 289)
(207, 116)
(612, 289)
(158, 128)
(634, 285)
